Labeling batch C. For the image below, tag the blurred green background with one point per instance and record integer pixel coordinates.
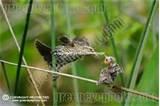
(82, 18)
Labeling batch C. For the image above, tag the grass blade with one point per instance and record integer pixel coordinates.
(53, 45)
(139, 52)
(22, 46)
(148, 86)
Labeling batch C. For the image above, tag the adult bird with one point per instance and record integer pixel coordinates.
(68, 51)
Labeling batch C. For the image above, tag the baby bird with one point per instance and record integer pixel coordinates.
(69, 51)
(108, 74)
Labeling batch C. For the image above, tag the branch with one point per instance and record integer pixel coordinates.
(87, 80)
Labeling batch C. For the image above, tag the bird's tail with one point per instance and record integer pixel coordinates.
(46, 52)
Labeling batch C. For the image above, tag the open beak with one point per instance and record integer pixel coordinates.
(98, 54)
(106, 62)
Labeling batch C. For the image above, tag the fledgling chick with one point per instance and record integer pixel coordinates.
(69, 51)
(108, 74)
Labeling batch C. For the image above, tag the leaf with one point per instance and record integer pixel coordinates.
(148, 83)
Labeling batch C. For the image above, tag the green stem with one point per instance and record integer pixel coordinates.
(111, 36)
(22, 46)
(69, 30)
(139, 52)
(53, 44)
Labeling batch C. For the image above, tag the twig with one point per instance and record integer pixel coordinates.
(18, 47)
(140, 93)
(87, 80)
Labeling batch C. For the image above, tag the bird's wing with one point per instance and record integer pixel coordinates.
(65, 41)
(105, 76)
(81, 41)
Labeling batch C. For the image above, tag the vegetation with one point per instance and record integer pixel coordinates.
(133, 44)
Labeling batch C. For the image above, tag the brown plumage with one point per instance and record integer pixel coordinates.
(108, 74)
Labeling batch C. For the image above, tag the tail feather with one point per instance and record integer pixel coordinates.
(45, 51)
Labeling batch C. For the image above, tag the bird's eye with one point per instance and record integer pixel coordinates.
(106, 60)
(91, 49)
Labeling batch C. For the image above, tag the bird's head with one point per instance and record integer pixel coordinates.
(89, 50)
(83, 46)
(109, 60)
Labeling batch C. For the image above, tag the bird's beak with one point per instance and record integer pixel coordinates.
(105, 62)
(98, 54)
